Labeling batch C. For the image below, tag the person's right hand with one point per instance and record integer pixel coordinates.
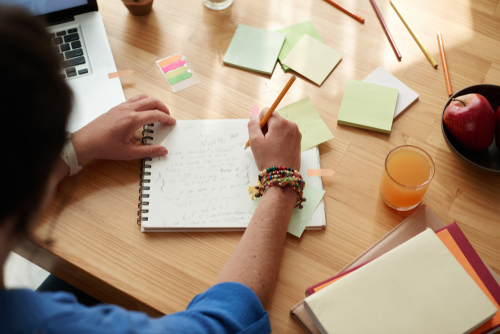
(279, 146)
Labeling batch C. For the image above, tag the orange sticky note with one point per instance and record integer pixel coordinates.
(120, 74)
(170, 60)
(320, 172)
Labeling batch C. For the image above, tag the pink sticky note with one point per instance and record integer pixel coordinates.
(255, 110)
(173, 66)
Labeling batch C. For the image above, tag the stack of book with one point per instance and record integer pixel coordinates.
(423, 277)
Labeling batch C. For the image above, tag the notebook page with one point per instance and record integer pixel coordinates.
(203, 181)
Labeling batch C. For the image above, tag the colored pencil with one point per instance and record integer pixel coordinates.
(275, 104)
(445, 65)
(412, 32)
(348, 12)
(386, 29)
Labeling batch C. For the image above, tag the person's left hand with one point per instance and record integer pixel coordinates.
(110, 135)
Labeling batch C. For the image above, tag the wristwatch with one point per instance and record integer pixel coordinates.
(68, 154)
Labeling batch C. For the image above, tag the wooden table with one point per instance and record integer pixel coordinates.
(96, 244)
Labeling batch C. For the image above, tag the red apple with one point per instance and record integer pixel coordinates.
(498, 128)
(471, 120)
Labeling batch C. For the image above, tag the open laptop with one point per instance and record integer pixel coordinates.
(80, 41)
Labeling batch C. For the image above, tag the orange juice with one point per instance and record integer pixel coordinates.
(406, 177)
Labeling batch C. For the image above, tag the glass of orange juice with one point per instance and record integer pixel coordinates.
(407, 173)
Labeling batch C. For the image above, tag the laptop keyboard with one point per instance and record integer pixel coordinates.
(68, 47)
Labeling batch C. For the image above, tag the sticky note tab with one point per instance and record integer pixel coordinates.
(176, 72)
(320, 172)
(312, 127)
(169, 60)
(120, 74)
(300, 217)
(255, 110)
(173, 66)
(179, 78)
(312, 59)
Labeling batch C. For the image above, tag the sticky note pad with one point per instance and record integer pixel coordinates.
(176, 72)
(368, 106)
(293, 35)
(406, 95)
(169, 60)
(312, 59)
(312, 127)
(300, 217)
(254, 49)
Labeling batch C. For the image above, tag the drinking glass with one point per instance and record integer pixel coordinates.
(408, 171)
(217, 4)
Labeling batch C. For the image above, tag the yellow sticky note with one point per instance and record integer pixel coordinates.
(312, 127)
(312, 59)
(176, 72)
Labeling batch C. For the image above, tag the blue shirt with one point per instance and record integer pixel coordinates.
(224, 308)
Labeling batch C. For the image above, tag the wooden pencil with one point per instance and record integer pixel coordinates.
(445, 65)
(275, 104)
(386, 29)
(348, 12)
(415, 37)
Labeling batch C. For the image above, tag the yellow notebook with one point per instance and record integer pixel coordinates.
(418, 287)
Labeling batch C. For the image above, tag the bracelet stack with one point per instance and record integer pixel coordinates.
(284, 177)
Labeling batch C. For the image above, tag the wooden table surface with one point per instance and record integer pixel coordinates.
(89, 235)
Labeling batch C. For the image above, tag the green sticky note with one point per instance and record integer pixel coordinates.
(312, 59)
(254, 49)
(300, 217)
(368, 106)
(312, 127)
(293, 35)
(179, 78)
(176, 72)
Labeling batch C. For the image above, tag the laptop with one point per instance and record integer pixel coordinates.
(79, 40)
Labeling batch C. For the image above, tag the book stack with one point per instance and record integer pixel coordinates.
(423, 277)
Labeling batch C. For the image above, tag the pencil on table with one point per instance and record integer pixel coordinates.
(348, 12)
(445, 65)
(415, 37)
(275, 104)
(386, 29)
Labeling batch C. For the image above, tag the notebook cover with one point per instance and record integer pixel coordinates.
(471, 257)
(433, 279)
(421, 219)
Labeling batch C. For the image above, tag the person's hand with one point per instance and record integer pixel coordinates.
(278, 145)
(110, 135)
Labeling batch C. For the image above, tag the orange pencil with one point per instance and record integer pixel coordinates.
(275, 104)
(445, 65)
(348, 12)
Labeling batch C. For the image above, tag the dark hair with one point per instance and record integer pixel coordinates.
(34, 104)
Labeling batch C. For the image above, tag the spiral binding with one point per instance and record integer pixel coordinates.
(145, 131)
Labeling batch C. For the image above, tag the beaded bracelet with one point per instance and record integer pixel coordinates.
(284, 177)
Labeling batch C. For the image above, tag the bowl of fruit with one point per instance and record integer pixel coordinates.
(471, 126)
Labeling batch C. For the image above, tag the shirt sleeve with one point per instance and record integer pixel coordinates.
(225, 308)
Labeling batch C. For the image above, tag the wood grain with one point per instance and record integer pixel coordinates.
(96, 244)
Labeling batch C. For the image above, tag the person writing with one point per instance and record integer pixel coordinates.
(35, 104)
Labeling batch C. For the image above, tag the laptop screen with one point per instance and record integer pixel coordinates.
(41, 7)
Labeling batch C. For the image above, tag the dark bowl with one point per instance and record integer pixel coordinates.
(488, 159)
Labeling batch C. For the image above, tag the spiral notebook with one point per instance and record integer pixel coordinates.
(201, 185)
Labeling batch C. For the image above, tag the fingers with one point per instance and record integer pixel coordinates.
(254, 130)
(275, 121)
(150, 103)
(137, 98)
(143, 151)
(151, 116)
(263, 112)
